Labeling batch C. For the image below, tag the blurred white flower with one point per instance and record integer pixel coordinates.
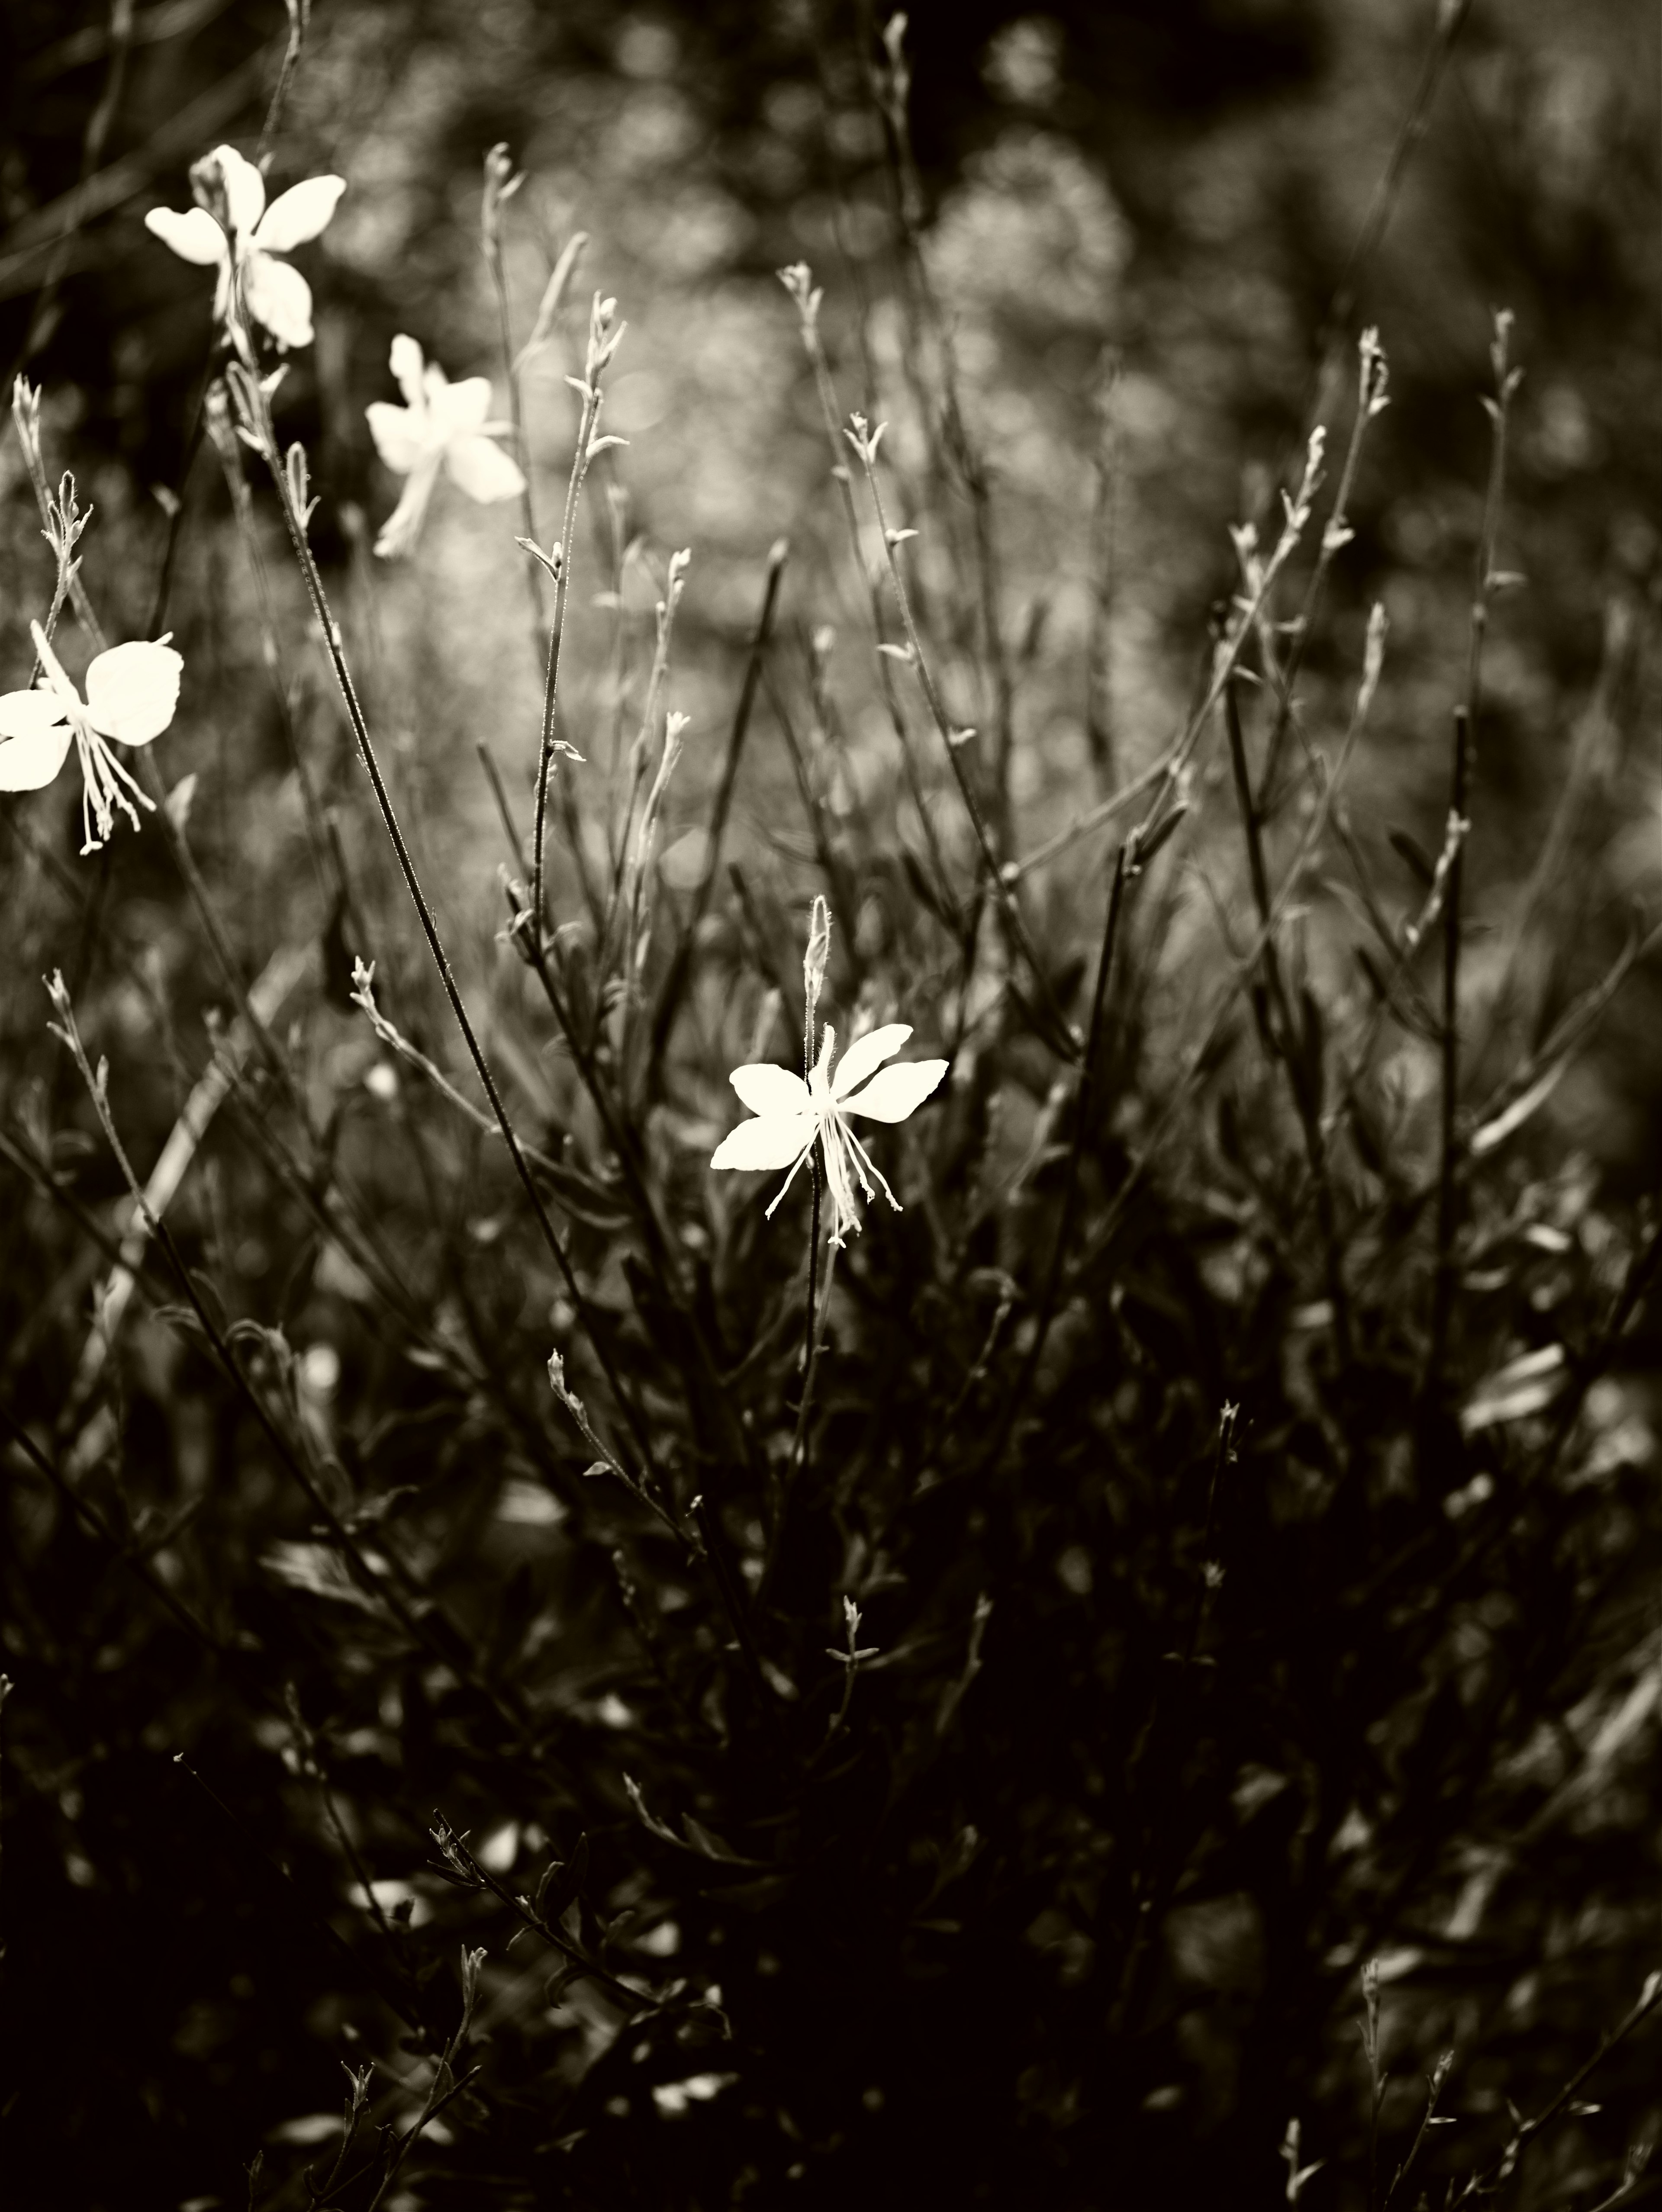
(233, 230)
(131, 692)
(441, 424)
(790, 1113)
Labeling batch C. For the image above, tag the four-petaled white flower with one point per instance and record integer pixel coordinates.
(791, 1114)
(441, 425)
(276, 295)
(131, 692)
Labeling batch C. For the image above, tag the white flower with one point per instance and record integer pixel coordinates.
(131, 693)
(441, 424)
(276, 295)
(790, 1113)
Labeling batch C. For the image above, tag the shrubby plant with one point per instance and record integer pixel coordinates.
(686, 1706)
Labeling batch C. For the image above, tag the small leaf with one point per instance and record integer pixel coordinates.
(1413, 855)
(557, 1890)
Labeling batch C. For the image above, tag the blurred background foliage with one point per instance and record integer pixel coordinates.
(1164, 199)
(1141, 221)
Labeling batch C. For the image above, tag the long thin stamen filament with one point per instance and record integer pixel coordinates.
(791, 1177)
(865, 1160)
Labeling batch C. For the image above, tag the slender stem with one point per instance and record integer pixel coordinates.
(799, 1455)
(1370, 399)
(299, 18)
(1466, 720)
(418, 1627)
(254, 402)
(675, 982)
(892, 87)
(1123, 869)
(1061, 1040)
(1485, 2184)
(1433, 2090)
(1246, 966)
(492, 248)
(27, 424)
(1449, 1149)
(797, 281)
(1287, 1038)
(1104, 519)
(92, 150)
(602, 344)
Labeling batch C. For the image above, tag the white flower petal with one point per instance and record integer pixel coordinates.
(866, 1053)
(280, 298)
(397, 434)
(463, 405)
(896, 1092)
(402, 527)
(245, 189)
(301, 213)
(193, 235)
(766, 1089)
(405, 362)
(133, 691)
(34, 739)
(772, 1140)
(483, 469)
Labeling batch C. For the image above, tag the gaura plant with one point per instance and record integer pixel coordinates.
(233, 230)
(131, 693)
(791, 1115)
(441, 425)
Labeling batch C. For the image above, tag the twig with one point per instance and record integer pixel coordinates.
(603, 342)
(1297, 1044)
(1126, 867)
(1486, 2184)
(254, 403)
(300, 21)
(1442, 1296)
(669, 997)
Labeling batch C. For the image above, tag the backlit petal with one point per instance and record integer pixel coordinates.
(402, 527)
(483, 469)
(397, 434)
(34, 739)
(895, 1092)
(301, 213)
(866, 1053)
(463, 405)
(766, 1089)
(193, 235)
(245, 189)
(405, 362)
(772, 1140)
(280, 298)
(133, 691)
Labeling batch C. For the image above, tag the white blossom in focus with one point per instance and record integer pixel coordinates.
(791, 1114)
(277, 297)
(441, 425)
(131, 692)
